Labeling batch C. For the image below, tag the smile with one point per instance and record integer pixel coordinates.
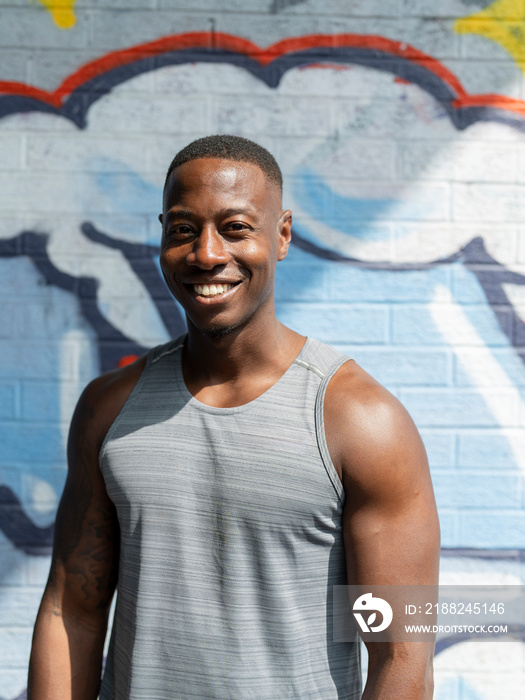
(211, 290)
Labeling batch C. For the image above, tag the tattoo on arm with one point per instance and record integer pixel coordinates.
(86, 537)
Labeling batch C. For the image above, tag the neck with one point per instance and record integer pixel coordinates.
(240, 352)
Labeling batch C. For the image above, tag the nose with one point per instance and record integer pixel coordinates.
(208, 250)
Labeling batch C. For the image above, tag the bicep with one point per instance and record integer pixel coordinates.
(390, 524)
(391, 528)
(392, 536)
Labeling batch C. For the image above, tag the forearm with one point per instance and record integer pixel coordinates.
(66, 656)
(400, 672)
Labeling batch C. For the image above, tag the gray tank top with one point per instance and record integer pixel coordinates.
(231, 541)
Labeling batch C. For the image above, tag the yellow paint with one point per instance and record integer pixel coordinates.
(61, 11)
(502, 22)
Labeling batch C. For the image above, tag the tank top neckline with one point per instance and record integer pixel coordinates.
(229, 410)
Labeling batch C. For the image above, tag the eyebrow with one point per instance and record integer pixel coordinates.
(230, 211)
(234, 211)
(184, 213)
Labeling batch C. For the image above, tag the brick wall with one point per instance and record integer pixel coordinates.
(399, 126)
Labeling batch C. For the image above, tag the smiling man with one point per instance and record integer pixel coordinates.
(228, 480)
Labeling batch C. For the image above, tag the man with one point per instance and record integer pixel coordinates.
(229, 480)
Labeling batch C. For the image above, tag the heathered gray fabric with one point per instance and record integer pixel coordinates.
(231, 541)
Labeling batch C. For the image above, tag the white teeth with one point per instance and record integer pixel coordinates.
(211, 290)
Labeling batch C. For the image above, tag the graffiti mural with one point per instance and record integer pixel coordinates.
(408, 193)
(62, 12)
(502, 21)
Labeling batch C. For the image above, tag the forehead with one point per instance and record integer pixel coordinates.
(220, 179)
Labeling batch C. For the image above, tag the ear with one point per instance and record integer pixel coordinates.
(285, 234)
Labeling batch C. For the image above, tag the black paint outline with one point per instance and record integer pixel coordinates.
(76, 105)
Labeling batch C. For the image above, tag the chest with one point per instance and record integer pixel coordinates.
(262, 468)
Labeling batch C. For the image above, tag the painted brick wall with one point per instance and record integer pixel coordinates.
(399, 125)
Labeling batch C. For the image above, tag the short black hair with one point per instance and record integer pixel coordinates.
(230, 148)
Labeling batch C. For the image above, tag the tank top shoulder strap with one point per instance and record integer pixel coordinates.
(324, 361)
(160, 351)
(320, 358)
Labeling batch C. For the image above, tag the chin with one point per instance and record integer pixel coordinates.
(217, 331)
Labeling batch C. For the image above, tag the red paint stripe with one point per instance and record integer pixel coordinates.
(364, 41)
(178, 42)
(509, 104)
(8, 87)
(264, 56)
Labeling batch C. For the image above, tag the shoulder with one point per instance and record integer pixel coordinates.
(371, 437)
(102, 400)
(114, 386)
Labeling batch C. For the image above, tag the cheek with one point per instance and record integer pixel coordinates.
(170, 257)
(167, 264)
(261, 254)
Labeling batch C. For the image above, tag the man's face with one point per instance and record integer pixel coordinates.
(223, 231)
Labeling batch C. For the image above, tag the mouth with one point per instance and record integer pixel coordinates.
(211, 291)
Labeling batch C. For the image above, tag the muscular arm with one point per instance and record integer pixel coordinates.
(391, 530)
(70, 629)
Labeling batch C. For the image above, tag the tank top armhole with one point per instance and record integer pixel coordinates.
(320, 431)
(152, 356)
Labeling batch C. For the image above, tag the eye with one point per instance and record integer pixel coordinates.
(179, 231)
(236, 227)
